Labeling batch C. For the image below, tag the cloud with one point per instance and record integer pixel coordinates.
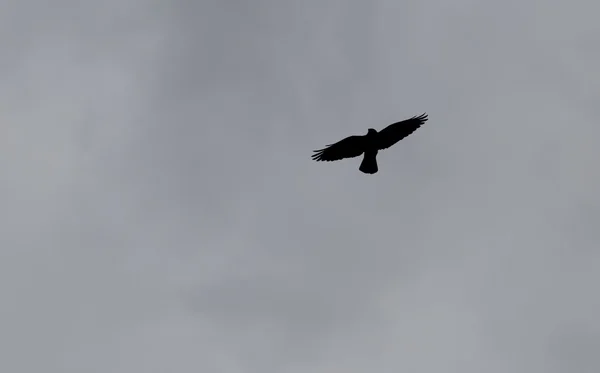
(162, 212)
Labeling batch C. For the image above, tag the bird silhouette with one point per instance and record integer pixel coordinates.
(369, 144)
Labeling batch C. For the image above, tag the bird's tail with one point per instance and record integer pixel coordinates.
(369, 163)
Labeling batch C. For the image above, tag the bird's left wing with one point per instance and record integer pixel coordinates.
(349, 147)
(399, 130)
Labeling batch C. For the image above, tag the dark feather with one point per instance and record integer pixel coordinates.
(399, 130)
(349, 147)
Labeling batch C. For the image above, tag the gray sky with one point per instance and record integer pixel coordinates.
(161, 213)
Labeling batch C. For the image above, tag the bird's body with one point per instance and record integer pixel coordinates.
(369, 162)
(370, 144)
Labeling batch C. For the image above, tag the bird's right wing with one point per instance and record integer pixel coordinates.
(399, 130)
(349, 147)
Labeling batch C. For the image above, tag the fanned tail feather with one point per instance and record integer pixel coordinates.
(369, 164)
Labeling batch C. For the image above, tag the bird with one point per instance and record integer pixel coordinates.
(370, 144)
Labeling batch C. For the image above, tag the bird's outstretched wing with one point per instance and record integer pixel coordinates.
(349, 147)
(399, 130)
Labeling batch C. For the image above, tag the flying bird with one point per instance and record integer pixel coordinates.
(369, 144)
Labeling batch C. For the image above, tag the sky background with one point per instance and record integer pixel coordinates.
(161, 213)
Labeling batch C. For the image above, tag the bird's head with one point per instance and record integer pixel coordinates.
(371, 131)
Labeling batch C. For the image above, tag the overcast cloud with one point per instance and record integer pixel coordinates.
(161, 213)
